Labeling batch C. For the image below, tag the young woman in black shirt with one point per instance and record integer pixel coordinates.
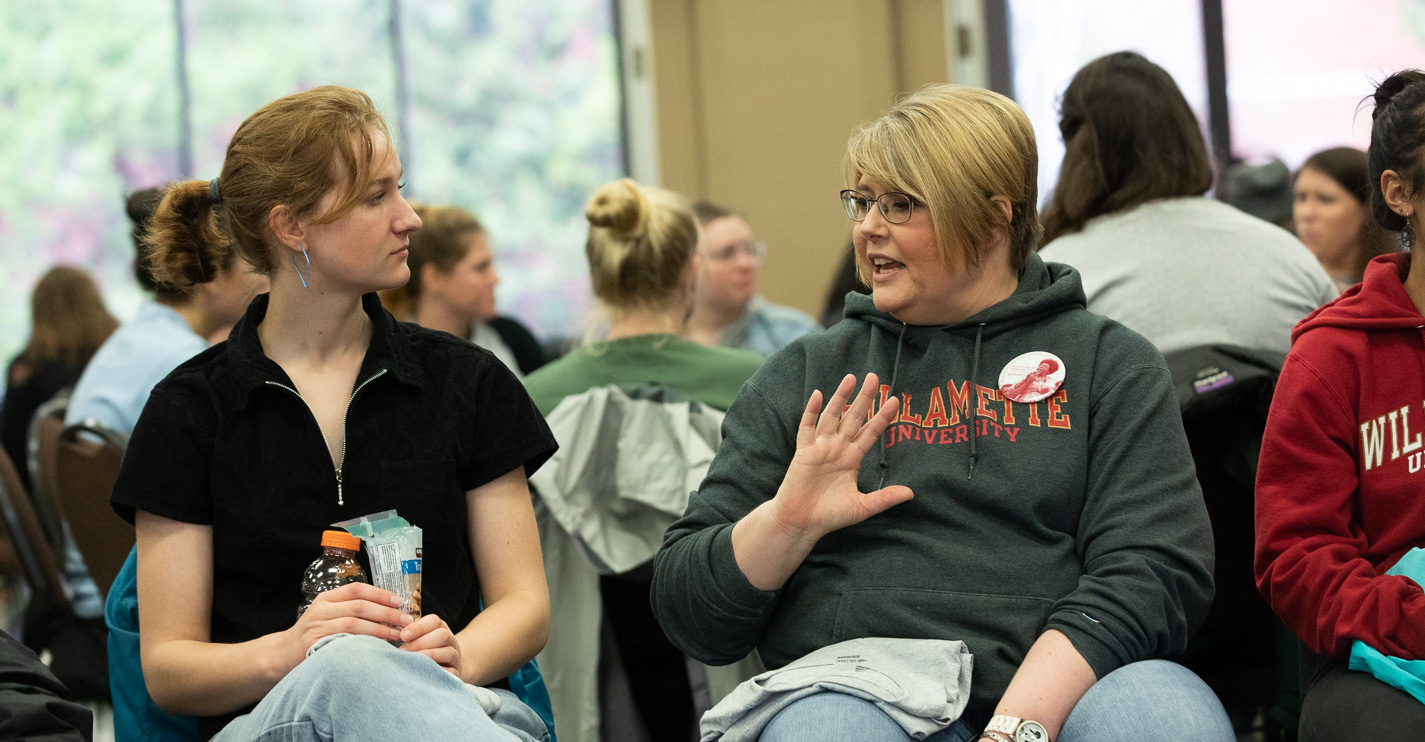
(320, 408)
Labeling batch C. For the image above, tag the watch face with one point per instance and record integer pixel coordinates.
(1031, 731)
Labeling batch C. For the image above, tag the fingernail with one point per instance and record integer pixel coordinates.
(395, 634)
(405, 636)
(395, 600)
(405, 619)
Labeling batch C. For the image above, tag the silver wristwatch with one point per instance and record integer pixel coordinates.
(1019, 730)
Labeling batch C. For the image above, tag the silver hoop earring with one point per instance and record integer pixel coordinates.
(301, 277)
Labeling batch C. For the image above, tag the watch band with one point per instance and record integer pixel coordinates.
(1005, 728)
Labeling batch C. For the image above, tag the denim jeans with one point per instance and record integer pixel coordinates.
(361, 688)
(1154, 699)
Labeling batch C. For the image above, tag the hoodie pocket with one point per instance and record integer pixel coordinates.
(997, 629)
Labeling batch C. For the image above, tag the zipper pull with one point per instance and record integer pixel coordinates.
(339, 501)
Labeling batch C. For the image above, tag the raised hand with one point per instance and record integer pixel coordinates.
(819, 493)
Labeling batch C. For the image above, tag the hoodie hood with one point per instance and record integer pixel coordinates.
(1044, 289)
(1378, 302)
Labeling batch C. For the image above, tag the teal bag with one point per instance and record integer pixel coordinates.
(1407, 675)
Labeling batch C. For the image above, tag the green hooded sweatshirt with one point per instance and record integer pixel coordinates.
(1080, 512)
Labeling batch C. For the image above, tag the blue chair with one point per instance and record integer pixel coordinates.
(137, 718)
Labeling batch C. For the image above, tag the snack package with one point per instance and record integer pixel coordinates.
(393, 546)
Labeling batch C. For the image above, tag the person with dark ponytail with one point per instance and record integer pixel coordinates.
(322, 408)
(641, 249)
(1331, 210)
(1340, 521)
(178, 324)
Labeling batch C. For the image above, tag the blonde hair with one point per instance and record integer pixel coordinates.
(952, 147)
(289, 153)
(640, 239)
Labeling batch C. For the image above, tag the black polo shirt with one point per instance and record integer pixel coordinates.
(222, 443)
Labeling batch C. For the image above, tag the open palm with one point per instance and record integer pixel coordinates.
(819, 492)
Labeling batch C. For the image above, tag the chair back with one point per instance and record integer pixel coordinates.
(87, 461)
(18, 523)
(45, 429)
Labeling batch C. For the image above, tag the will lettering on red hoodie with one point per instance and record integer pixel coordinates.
(1340, 485)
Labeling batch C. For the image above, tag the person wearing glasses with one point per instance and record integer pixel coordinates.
(727, 311)
(1061, 536)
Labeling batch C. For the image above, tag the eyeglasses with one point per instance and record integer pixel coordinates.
(755, 249)
(895, 207)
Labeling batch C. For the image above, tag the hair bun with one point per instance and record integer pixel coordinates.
(1393, 85)
(620, 206)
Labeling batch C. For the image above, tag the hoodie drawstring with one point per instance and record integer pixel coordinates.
(975, 420)
(895, 369)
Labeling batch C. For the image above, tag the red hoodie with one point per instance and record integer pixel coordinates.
(1340, 485)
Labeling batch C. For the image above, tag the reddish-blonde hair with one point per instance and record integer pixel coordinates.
(289, 153)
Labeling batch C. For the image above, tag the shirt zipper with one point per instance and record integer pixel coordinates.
(341, 461)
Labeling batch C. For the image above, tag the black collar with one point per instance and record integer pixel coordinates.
(390, 350)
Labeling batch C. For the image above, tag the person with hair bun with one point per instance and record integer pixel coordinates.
(176, 325)
(642, 260)
(321, 408)
(1011, 481)
(1339, 520)
(1331, 211)
(452, 288)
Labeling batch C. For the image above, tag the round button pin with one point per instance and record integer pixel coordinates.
(1031, 377)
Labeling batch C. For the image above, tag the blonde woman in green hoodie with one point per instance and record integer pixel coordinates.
(1056, 528)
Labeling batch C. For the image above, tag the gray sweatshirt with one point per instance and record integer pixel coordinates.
(1194, 271)
(1080, 512)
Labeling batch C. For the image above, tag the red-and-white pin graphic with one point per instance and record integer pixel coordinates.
(1031, 377)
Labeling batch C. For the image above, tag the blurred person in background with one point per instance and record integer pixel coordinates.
(1262, 189)
(452, 288)
(726, 309)
(1332, 214)
(1129, 213)
(174, 326)
(68, 323)
(643, 261)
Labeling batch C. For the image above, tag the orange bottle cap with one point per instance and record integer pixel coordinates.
(341, 540)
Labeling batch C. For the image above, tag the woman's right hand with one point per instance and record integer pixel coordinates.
(353, 608)
(819, 492)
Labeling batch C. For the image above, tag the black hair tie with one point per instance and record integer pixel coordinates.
(213, 191)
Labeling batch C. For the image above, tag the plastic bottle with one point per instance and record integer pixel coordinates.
(336, 567)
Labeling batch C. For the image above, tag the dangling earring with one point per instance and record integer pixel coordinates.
(301, 277)
(1407, 236)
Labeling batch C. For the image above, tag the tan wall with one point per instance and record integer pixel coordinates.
(756, 99)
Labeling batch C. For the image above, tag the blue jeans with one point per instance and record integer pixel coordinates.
(361, 688)
(1155, 699)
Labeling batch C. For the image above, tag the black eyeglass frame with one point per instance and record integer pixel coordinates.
(848, 202)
